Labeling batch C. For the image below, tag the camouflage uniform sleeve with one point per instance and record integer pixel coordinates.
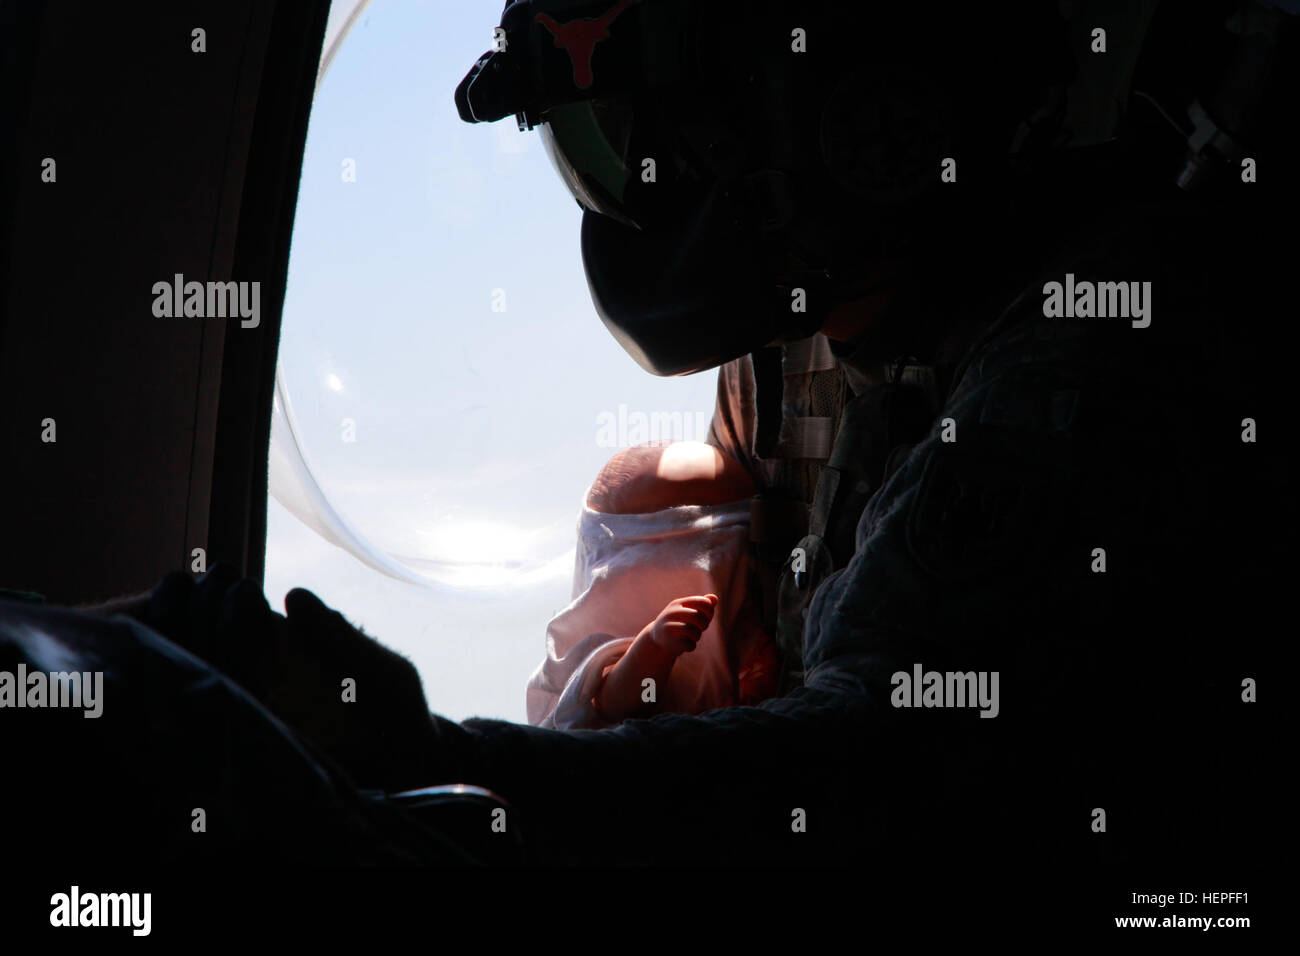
(732, 427)
(985, 508)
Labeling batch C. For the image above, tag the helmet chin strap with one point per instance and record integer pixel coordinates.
(856, 315)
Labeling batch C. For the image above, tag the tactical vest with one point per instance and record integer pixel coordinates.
(800, 543)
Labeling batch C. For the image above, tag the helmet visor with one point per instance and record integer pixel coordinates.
(587, 143)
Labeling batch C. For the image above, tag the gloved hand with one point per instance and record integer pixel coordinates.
(354, 699)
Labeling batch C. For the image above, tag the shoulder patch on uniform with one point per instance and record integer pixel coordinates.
(976, 511)
(1032, 398)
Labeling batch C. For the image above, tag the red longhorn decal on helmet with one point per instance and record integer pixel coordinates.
(579, 38)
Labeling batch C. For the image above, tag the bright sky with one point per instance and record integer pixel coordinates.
(475, 431)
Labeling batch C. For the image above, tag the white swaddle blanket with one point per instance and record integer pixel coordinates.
(628, 567)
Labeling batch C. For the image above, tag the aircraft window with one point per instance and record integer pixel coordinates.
(446, 392)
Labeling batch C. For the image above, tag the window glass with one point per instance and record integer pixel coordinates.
(446, 392)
